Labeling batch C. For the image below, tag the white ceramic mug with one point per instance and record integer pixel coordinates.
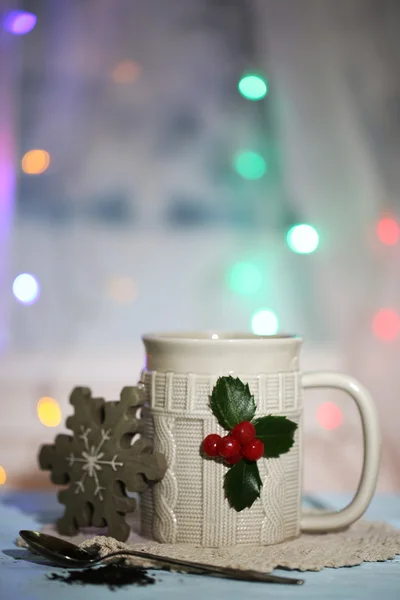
(189, 505)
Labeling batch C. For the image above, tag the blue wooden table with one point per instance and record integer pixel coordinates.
(23, 577)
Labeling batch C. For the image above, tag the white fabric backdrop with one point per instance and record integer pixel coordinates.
(171, 134)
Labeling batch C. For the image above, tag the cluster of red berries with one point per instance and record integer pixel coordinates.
(240, 443)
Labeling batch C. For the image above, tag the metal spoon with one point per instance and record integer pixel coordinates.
(70, 555)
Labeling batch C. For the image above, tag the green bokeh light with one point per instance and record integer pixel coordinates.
(302, 239)
(253, 87)
(249, 165)
(245, 278)
(264, 322)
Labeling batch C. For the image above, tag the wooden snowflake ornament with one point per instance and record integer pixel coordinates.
(100, 463)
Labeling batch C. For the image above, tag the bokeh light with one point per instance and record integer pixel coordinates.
(264, 322)
(388, 231)
(302, 239)
(19, 22)
(122, 289)
(329, 415)
(245, 278)
(126, 71)
(35, 162)
(3, 475)
(49, 412)
(26, 288)
(253, 87)
(249, 165)
(386, 324)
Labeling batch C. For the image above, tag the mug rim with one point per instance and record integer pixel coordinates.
(218, 337)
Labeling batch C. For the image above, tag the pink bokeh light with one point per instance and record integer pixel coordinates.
(388, 231)
(19, 22)
(329, 415)
(386, 324)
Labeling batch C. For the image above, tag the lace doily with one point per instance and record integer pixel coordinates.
(362, 542)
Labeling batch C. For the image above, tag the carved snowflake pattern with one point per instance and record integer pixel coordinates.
(102, 461)
(91, 460)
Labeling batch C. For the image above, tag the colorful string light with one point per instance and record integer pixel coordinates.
(253, 87)
(49, 412)
(26, 288)
(19, 22)
(3, 475)
(388, 231)
(302, 239)
(245, 278)
(264, 322)
(126, 71)
(329, 415)
(249, 164)
(386, 324)
(35, 162)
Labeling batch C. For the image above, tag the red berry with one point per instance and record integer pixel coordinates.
(210, 444)
(244, 432)
(254, 450)
(234, 459)
(228, 447)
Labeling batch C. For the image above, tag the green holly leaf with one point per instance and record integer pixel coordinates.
(243, 484)
(231, 402)
(277, 433)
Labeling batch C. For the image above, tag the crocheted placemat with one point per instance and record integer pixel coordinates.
(362, 542)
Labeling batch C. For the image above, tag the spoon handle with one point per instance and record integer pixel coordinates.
(204, 569)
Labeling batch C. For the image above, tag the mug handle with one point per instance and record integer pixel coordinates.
(332, 521)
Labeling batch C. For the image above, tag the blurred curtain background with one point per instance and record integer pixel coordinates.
(142, 191)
